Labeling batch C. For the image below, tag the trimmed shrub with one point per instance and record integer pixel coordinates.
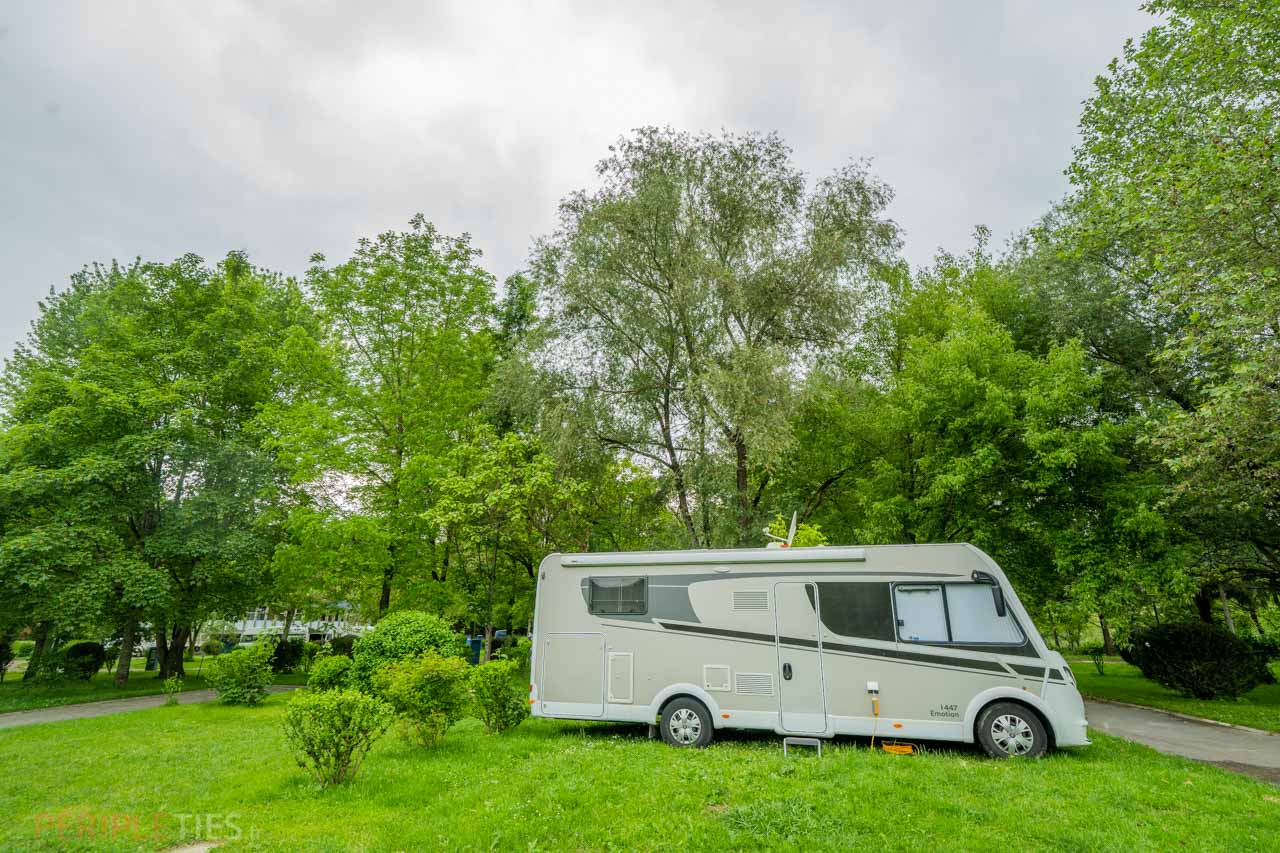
(342, 645)
(1197, 659)
(1266, 649)
(22, 649)
(331, 731)
(241, 677)
(501, 702)
(287, 655)
(403, 634)
(429, 693)
(212, 647)
(6, 657)
(82, 659)
(330, 673)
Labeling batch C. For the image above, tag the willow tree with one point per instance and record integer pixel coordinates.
(691, 291)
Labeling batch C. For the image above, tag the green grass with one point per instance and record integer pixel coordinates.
(1260, 708)
(17, 696)
(566, 786)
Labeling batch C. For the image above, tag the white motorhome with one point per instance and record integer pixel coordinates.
(902, 641)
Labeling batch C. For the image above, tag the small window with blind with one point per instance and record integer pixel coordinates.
(618, 596)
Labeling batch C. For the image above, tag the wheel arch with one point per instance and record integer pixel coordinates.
(689, 691)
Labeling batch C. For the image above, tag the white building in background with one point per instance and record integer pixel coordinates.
(340, 622)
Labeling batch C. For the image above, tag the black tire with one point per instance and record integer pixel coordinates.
(686, 723)
(1011, 730)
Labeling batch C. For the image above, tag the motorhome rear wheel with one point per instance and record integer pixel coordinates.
(686, 722)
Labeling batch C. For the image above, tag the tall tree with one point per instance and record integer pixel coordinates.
(692, 290)
(410, 318)
(1178, 164)
(132, 457)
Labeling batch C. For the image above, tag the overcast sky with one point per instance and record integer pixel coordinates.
(285, 128)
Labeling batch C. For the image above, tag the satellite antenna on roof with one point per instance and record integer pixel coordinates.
(778, 541)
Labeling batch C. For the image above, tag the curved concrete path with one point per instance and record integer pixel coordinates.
(106, 707)
(1239, 750)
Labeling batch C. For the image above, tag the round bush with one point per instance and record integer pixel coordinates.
(241, 677)
(403, 634)
(331, 731)
(83, 658)
(330, 673)
(211, 647)
(1197, 659)
(501, 700)
(428, 692)
(22, 649)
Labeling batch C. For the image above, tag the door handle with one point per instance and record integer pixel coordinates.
(786, 672)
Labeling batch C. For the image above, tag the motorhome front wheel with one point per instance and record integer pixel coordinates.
(1009, 730)
(685, 722)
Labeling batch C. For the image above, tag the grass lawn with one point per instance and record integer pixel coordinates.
(17, 696)
(1260, 708)
(549, 785)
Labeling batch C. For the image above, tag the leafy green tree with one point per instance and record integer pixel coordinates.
(507, 506)
(133, 472)
(1177, 164)
(691, 289)
(409, 316)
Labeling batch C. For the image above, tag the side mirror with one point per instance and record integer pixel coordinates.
(997, 594)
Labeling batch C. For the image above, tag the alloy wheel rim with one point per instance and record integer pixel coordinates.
(1012, 734)
(685, 726)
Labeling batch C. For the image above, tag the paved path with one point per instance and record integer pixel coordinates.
(106, 707)
(1238, 750)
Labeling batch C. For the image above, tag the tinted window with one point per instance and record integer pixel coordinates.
(614, 596)
(922, 613)
(972, 610)
(857, 609)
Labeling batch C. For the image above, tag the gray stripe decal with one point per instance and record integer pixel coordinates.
(870, 651)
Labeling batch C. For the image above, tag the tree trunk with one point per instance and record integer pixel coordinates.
(488, 616)
(1108, 644)
(1226, 610)
(384, 600)
(288, 622)
(125, 658)
(40, 638)
(744, 488)
(1204, 604)
(174, 646)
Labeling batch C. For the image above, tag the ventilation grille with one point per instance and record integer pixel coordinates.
(753, 683)
(750, 599)
(715, 677)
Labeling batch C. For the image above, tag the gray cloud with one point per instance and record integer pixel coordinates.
(131, 129)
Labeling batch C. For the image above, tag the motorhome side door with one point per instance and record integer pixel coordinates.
(801, 695)
(572, 668)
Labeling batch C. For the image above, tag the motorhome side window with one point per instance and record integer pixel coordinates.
(952, 613)
(618, 596)
(859, 609)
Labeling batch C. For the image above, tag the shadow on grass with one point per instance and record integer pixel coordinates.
(760, 739)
